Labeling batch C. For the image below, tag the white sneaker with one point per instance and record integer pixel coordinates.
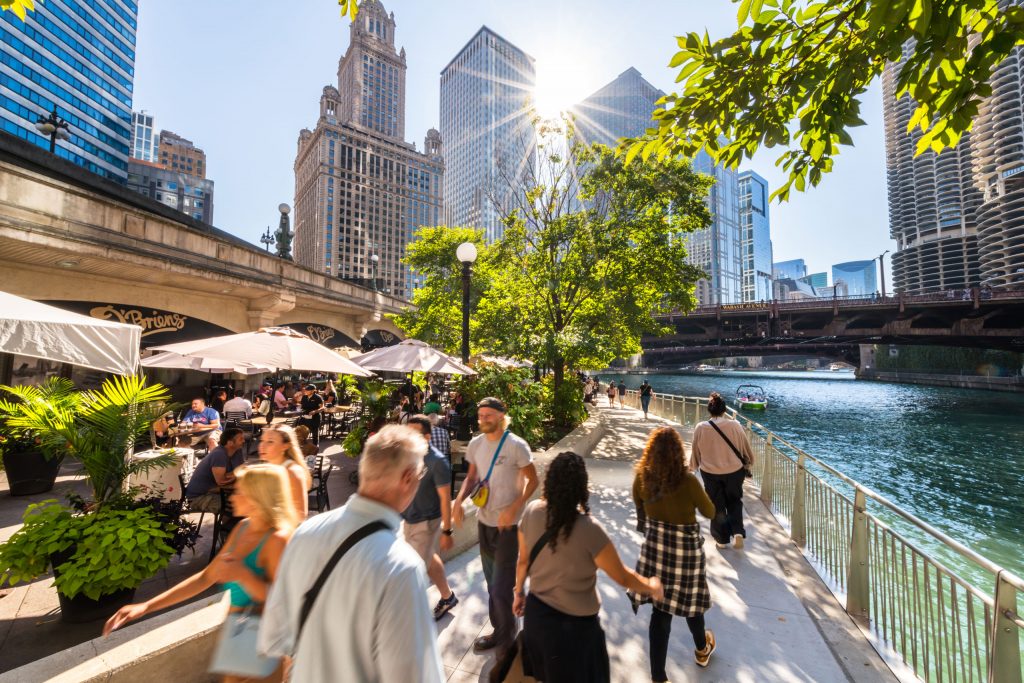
(737, 542)
(721, 545)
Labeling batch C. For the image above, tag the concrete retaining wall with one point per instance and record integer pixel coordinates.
(178, 645)
(939, 380)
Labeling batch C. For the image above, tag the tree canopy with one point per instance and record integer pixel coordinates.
(793, 73)
(592, 250)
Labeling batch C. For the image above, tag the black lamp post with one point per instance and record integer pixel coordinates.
(466, 253)
(267, 239)
(881, 269)
(54, 127)
(284, 233)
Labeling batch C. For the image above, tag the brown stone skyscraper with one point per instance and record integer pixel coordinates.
(360, 189)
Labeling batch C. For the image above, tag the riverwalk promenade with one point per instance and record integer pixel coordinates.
(773, 618)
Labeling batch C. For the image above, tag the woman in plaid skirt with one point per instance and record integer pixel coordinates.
(667, 497)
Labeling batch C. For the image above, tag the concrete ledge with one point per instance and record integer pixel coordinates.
(178, 645)
(174, 646)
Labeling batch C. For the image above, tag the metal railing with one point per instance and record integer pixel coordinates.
(921, 616)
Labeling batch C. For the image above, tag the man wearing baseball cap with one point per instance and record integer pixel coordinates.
(311, 404)
(505, 463)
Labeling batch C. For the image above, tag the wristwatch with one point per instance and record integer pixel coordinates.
(447, 532)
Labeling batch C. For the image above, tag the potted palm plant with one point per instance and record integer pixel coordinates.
(31, 465)
(104, 546)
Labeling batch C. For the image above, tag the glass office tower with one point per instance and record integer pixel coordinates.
(755, 237)
(77, 55)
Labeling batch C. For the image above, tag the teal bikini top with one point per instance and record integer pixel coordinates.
(239, 598)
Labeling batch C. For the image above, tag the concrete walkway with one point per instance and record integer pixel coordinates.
(763, 630)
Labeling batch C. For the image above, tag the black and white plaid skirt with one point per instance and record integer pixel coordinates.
(675, 554)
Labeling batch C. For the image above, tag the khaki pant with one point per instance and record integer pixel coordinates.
(208, 502)
(424, 537)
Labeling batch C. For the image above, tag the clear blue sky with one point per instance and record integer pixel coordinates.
(241, 79)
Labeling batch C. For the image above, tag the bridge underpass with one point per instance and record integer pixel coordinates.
(834, 328)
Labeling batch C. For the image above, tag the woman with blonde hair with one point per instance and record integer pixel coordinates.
(245, 566)
(280, 446)
(667, 498)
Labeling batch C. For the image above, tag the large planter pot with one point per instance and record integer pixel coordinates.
(30, 472)
(81, 608)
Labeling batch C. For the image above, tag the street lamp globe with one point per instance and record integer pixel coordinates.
(374, 258)
(284, 208)
(466, 252)
(45, 127)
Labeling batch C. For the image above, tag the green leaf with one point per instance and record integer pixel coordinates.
(743, 12)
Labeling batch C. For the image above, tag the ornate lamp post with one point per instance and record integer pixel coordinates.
(54, 127)
(267, 239)
(466, 253)
(374, 260)
(284, 233)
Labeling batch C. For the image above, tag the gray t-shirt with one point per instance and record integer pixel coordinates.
(427, 504)
(565, 578)
(505, 484)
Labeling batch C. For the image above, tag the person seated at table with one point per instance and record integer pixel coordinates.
(202, 417)
(305, 444)
(330, 395)
(162, 431)
(239, 404)
(220, 397)
(312, 406)
(432, 406)
(261, 406)
(280, 400)
(216, 470)
(401, 412)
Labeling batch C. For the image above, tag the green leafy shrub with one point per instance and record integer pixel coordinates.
(566, 405)
(527, 401)
(376, 402)
(113, 549)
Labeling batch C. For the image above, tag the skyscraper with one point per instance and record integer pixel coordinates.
(716, 249)
(817, 280)
(755, 238)
(621, 109)
(998, 143)
(933, 201)
(77, 56)
(360, 189)
(170, 169)
(860, 277)
(489, 139)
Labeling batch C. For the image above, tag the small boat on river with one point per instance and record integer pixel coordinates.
(751, 397)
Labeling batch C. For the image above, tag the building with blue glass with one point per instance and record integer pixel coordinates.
(621, 109)
(77, 56)
(755, 238)
(794, 269)
(817, 280)
(860, 277)
(489, 138)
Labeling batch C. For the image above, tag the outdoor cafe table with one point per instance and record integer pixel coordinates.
(163, 480)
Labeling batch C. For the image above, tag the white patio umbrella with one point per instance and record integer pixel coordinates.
(166, 359)
(31, 328)
(273, 348)
(501, 361)
(412, 355)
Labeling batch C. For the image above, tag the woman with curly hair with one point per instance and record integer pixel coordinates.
(561, 548)
(667, 497)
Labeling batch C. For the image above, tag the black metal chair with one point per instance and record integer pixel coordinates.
(223, 522)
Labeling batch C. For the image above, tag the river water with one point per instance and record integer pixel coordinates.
(953, 457)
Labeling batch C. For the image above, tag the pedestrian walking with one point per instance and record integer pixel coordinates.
(722, 453)
(667, 497)
(350, 602)
(621, 391)
(646, 394)
(501, 478)
(246, 566)
(561, 547)
(427, 524)
(612, 391)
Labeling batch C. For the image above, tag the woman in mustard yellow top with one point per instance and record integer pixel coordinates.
(667, 498)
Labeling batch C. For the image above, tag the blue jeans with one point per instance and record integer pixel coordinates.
(645, 403)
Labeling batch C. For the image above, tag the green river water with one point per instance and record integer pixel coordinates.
(953, 457)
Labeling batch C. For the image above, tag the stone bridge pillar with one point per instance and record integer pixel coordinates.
(264, 312)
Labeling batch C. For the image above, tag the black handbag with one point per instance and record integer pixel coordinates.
(503, 666)
(747, 472)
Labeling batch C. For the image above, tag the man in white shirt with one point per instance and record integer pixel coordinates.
(371, 622)
(238, 404)
(506, 463)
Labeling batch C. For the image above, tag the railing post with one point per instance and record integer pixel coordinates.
(798, 524)
(858, 590)
(1004, 660)
(767, 474)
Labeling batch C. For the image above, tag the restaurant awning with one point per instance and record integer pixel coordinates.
(34, 329)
